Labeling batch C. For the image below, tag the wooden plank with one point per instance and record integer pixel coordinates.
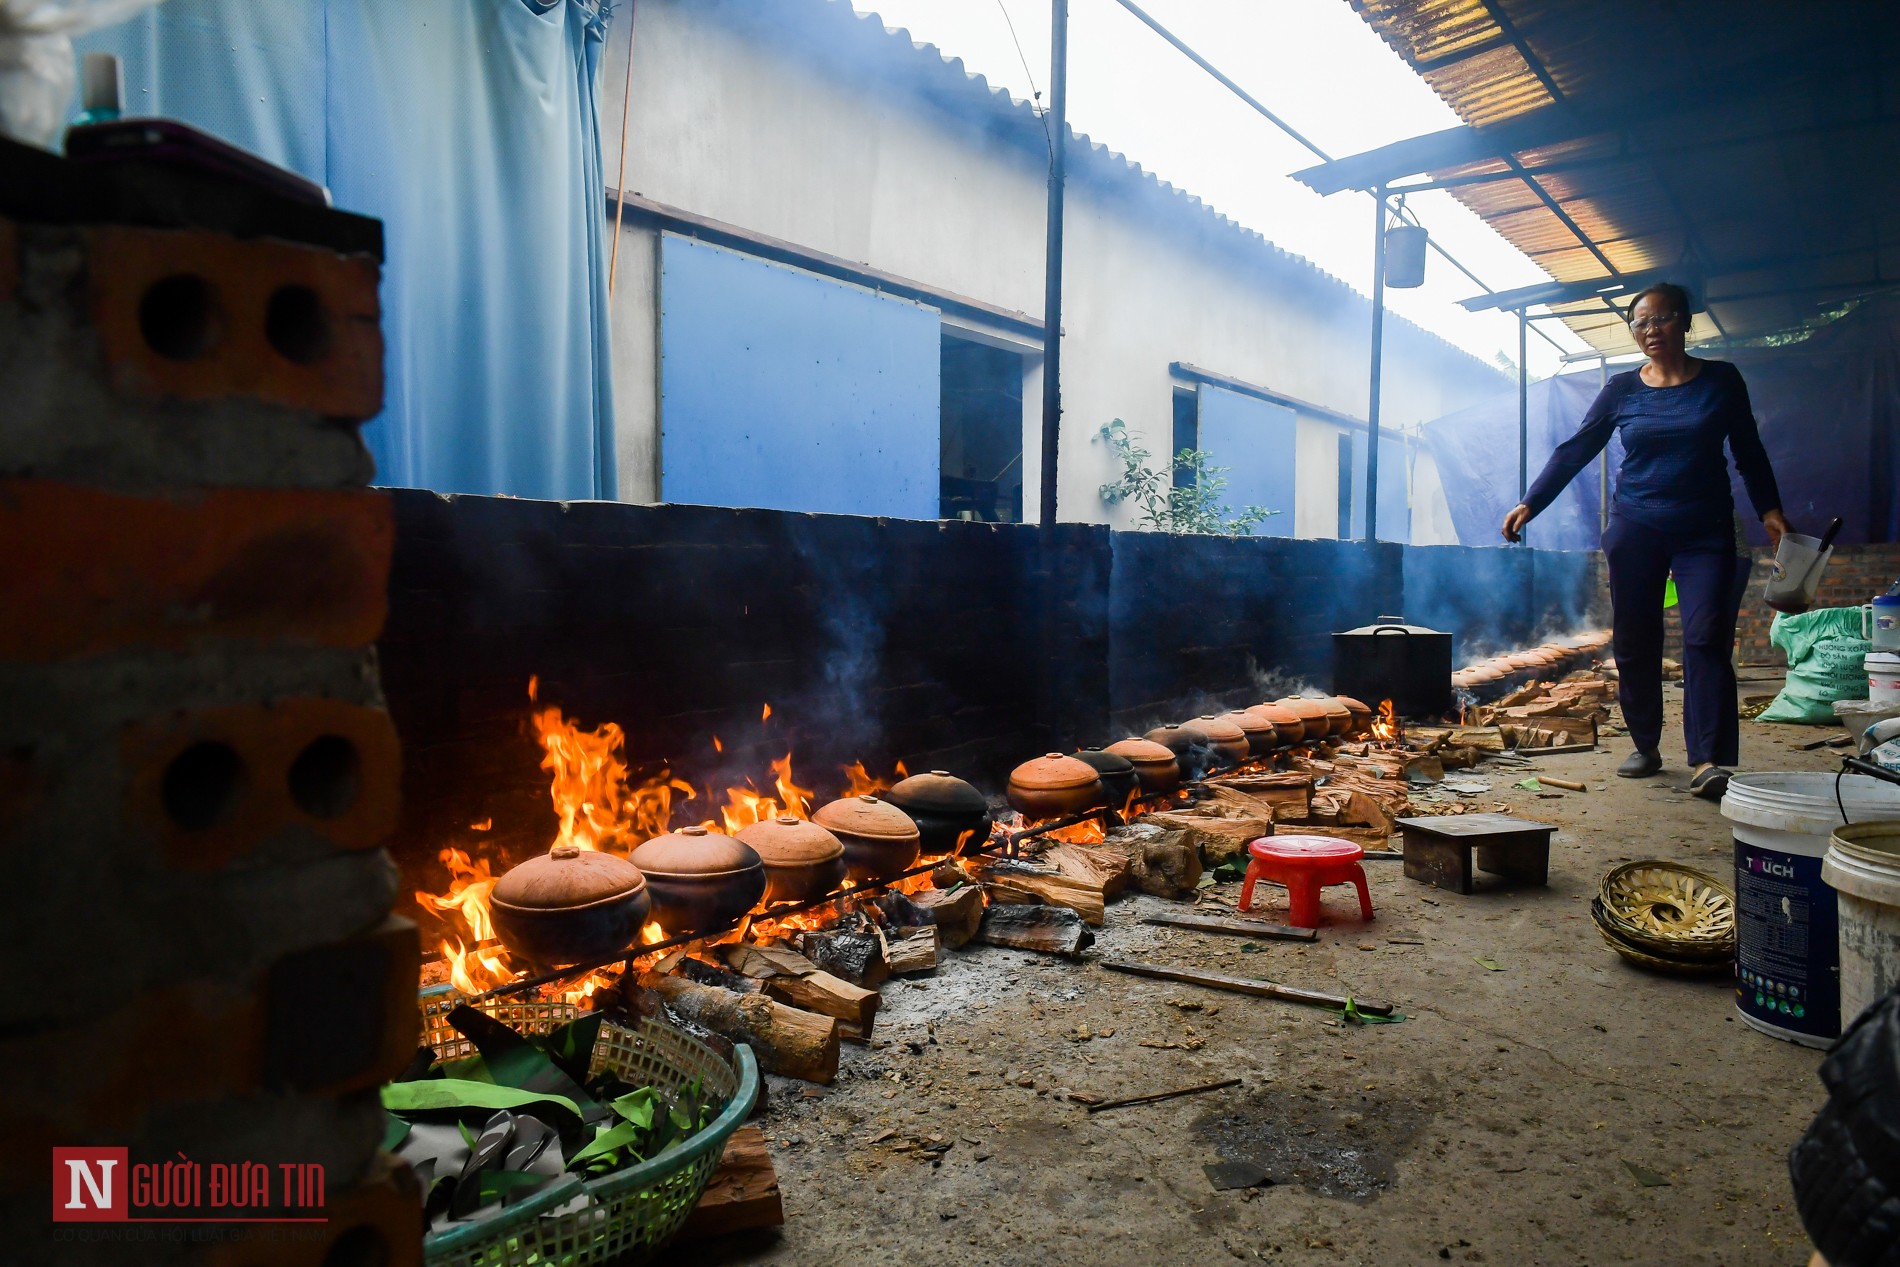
(1244, 985)
(1053, 930)
(1236, 927)
(1157, 1096)
(741, 1196)
(1010, 886)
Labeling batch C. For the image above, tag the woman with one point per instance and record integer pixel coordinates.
(1672, 515)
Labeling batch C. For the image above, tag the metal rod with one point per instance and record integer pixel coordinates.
(1378, 355)
(626, 109)
(1058, 120)
(1603, 458)
(1523, 416)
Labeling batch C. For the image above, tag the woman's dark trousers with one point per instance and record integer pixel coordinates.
(1641, 561)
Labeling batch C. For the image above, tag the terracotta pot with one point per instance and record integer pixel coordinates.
(1361, 714)
(570, 906)
(1120, 783)
(1055, 786)
(1319, 724)
(1485, 675)
(701, 881)
(879, 839)
(1226, 738)
(1155, 765)
(950, 814)
(1287, 724)
(802, 860)
(1338, 716)
(1175, 739)
(1261, 736)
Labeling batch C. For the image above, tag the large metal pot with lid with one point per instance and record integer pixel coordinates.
(1055, 786)
(570, 906)
(803, 861)
(702, 881)
(879, 839)
(1407, 664)
(950, 814)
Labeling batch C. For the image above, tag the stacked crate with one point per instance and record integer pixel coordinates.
(196, 770)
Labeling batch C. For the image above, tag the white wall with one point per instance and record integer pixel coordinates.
(851, 158)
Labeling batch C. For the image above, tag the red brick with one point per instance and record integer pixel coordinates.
(93, 571)
(184, 314)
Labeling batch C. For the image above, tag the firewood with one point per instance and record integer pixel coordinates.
(1428, 768)
(793, 979)
(1107, 869)
(910, 950)
(957, 912)
(1163, 861)
(1483, 738)
(1288, 794)
(1007, 885)
(1213, 834)
(1245, 985)
(1053, 930)
(856, 957)
(787, 1040)
(1236, 927)
(742, 1194)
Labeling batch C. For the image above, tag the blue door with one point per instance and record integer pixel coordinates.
(1254, 439)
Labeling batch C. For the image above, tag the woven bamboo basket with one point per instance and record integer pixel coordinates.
(1668, 910)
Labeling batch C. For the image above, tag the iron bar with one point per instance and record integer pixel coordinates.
(1603, 459)
(1523, 415)
(1058, 120)
(1378, 357)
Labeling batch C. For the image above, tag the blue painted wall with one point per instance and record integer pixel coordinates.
(1255, 440)
(788, 391)
(1395, 511)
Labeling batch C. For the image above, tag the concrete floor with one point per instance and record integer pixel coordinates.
(1497, 1124)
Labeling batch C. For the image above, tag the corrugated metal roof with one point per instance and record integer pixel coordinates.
(1746, 145)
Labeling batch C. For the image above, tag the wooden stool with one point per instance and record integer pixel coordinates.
(1438, 851)
(1305, 865)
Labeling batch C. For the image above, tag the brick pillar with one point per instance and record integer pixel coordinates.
(196, 771)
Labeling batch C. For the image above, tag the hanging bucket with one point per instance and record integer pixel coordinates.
(1405, 256)
(1795, 575)
(1787, 942)
(1863, 868)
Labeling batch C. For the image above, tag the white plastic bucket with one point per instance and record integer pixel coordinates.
(1863, 868)
(1795, 575)
(1883, 678)
(1787, 941)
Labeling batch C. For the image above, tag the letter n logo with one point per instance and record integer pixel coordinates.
(89, 1185)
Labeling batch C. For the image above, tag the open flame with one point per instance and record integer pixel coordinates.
(859, 781)
(1385, 727)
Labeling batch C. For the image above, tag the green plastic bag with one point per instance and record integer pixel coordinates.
(1826, 662)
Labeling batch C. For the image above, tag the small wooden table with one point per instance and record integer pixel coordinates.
(1438, 851)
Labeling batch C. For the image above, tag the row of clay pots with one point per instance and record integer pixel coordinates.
(1552, 659)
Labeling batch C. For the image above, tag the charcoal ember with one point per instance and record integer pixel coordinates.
(711, 974)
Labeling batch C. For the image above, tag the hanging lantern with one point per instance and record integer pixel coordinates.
(1405, 256)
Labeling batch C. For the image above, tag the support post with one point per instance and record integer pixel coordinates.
(1378, 353)
(1603, 459)
(1058, 123)
(1523, 413)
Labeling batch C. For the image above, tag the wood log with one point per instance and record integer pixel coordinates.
(1052, 930)
(1163, 862)
(1245, 985)
(1106, 869)
(1236, 927)
(741, 1196)
(856, 957)
(910, 950)
(957, 912)
(1006, 885)
(1289, 792)
(787, 1040)
(1568, 785)
(791, 978)
(1214, 834)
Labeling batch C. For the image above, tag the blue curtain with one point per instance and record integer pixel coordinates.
(471, 129)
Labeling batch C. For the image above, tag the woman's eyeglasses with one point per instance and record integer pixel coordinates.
(1646, 324)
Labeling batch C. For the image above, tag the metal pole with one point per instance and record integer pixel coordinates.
(1523, 413)
(1058, 121)
(1378, 353)
(1603, 458)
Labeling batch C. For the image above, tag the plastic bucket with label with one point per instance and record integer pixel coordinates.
(1863, 868)
(1883, 677)
(1787, 939)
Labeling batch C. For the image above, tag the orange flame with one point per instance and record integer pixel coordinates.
(1385, 728)
(861, 782)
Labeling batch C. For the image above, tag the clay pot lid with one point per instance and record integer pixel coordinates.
(1305, 709)
(1278, 714)
(1172, 737)
(866, 816)
(1103, 761)
(789, 841)
(1354, 705)
(1195, 731)
(937, 790)
(1484, 673)
(1052, 772)
(1141, 751)
(1219, 729)
(694, 851)
(1250, 722)
(567, 878)
(1333, 706)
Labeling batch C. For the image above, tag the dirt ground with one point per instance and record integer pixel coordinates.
(1500, 1122)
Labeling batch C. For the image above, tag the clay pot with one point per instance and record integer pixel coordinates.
(570, 906)
(803, 861)
(1176, 739)
(879, 839)
(1484, 675)
(701, 881)
(1228, 741)
(1261, 736)
(1338, 716)
(949, 813)
(1120, 783)
(1361, 714)
(1287, 724)
(1055, 786)
(1313, 714)
(1155, 765)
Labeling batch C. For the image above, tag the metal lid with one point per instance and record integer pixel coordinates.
(1388, 626)
(567, 877)
(694, 851)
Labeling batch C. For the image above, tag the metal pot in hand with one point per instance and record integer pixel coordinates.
(570, 906)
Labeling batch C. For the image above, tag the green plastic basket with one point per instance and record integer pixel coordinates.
(630, 1213)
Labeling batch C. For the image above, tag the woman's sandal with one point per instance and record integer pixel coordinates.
(1710, 784)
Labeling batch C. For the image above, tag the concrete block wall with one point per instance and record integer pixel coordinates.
(196, 770)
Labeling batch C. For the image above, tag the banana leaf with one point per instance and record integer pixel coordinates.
(462, 1098)
(571, 1046)
(513, 1061)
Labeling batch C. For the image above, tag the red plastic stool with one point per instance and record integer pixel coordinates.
(1305, 865)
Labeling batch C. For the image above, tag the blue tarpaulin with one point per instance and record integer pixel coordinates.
(469, 127)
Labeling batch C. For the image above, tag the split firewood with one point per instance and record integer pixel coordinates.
(1007, 884)
(957, 912)
(1106, 869)
(1053, 930)
(787, 1040)
(1214, 832)
(858, 957)
(910, 950)
(793, 979)
(741, 1196)
(1163, 861)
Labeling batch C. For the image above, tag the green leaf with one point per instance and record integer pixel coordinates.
(605, 1152)
(395, 1131)
(571, 1046)
(1353, 1016)
(513, 1061)
(1489, 965)
(460, 1096)
(637, 1107)
(1251, 947)
(1529, 785)
(1645, 1176)
(470, 1067)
